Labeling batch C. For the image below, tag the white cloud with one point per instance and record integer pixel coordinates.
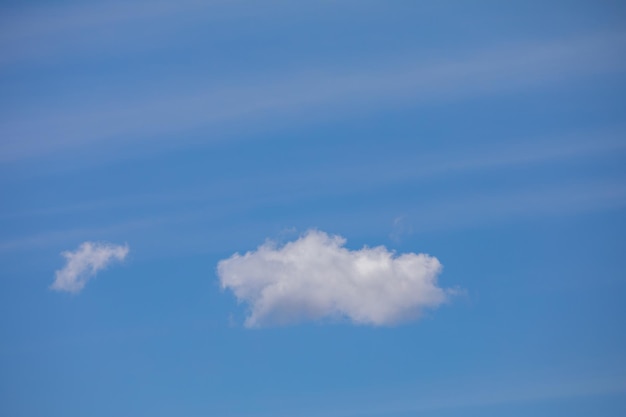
(316, 277)
(84, 263)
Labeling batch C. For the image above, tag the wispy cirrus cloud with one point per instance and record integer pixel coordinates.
(332, 178)
(316, 277)
(310, 94)
(36, 33)
(42, 20)
(452, 213)
(84, 263)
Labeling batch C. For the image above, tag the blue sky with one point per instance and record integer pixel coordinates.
(144, 144)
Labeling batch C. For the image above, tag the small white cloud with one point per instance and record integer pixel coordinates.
(316, 277)
(84, 263)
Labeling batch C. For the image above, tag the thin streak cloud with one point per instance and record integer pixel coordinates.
(312, 95)
(333, 180)
(444, 214)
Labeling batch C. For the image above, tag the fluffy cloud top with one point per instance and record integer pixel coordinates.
(84, 263)
(316, 277)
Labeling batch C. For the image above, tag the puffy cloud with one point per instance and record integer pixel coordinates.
(316, 277)
(84, 263)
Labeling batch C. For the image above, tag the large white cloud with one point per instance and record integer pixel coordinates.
(316, 277)
(84, 263)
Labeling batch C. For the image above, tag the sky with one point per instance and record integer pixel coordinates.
(316, 208)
